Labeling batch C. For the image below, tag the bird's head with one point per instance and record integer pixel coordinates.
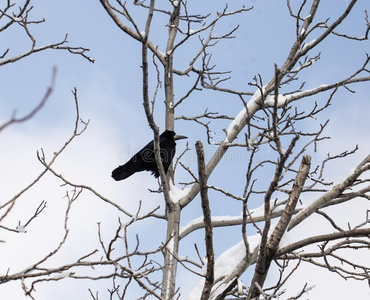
(172, 135)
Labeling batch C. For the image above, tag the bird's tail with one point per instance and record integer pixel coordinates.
(122, 172)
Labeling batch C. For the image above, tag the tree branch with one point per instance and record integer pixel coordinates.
(209, 278)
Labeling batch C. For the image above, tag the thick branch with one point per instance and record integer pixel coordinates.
(365, 232)
(335, 192)
(207, 222)
(274, 240)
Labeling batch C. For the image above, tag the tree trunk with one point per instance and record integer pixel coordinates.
(170, 251)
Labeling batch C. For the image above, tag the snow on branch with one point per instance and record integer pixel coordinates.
(331, 195)
(225, 265)
(269, 248)
(254, 216)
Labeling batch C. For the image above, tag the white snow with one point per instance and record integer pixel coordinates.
(243, 113)
(240, 287)
(176, 193)
(226, 264)
(198, 222)
(258, 212)
(286, 240)
(62, 275)
(236, 121)
(21, 229)
(308, 44)
(170, 245)
(270, 100)
(192, 223)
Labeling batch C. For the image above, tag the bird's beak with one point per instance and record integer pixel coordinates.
(179, 137)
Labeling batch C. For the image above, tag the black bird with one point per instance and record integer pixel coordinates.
(144, 160)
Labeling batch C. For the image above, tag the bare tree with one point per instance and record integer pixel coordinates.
(20, 14)
(272, 116)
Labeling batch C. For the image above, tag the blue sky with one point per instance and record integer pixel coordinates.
(109, 93)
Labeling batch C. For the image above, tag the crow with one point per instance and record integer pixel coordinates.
(144, 160)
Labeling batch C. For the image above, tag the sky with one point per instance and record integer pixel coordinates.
(109, 94)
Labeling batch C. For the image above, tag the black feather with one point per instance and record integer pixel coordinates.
(144, 160)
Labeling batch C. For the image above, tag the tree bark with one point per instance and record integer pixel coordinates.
(272, 244)
(170, 252)
(207, 222)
